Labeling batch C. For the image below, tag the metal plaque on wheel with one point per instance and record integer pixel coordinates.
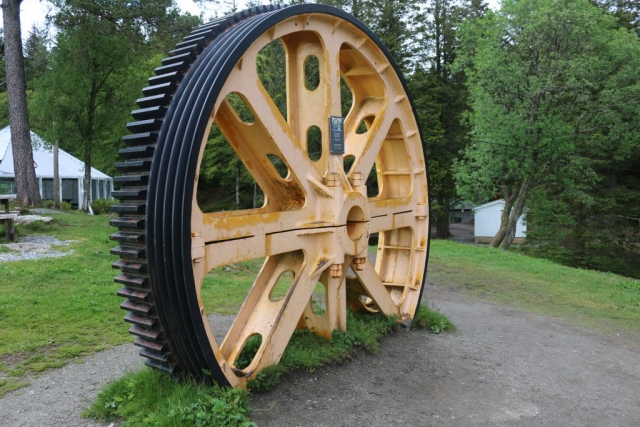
(336, 126)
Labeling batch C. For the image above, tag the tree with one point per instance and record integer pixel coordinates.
(441, 99)
(25, 175)
(553, 85)
(101, 60)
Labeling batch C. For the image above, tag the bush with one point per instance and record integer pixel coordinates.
(101, 206)
(50, 204)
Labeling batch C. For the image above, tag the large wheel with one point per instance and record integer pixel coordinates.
(318, 214)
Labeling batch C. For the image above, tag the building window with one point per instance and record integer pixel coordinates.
(7, 186)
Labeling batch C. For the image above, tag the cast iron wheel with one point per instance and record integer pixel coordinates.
(317, 214)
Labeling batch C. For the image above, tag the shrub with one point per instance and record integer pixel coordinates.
(101, 206)
(50, 204)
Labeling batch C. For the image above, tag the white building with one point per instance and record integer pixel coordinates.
(71, 171)
(487, 222)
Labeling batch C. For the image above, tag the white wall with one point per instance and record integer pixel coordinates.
(487, 222)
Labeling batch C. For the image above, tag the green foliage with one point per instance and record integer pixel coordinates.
(432, 320)
(153, 399)
(32, 228)
(555, 89)
(101, 206)
(64, 206)
(95, 72)
(603, 301)
(248, 351)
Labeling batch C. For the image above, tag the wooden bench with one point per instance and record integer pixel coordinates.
(9, 230)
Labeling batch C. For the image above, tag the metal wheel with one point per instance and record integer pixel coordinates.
(317, 217)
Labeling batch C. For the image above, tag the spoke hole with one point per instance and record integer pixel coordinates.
(364, 125)
(249, 350)
(311, 72)
(282, 286)
(372, 183)
(346, 97)
(347, 162)
(279, 165)
(224, 183)
(272, 72)
(319, 299)
(240, 107)
(314, 143)
(355, 223)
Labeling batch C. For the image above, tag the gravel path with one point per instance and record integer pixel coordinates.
(34, 247)
(503, 367)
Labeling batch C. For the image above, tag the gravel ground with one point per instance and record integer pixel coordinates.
(503, 367)
(34, 247)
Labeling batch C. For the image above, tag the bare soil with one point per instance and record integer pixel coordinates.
(503, 367)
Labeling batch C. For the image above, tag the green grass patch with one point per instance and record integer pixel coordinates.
(431, 319)
(225, 288)
(3, 248)
(308, 351)
(602, 301)
(10, 384)
(151, 398)
(53, 310)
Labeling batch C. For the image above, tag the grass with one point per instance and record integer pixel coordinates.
(151, 399)
(431, 319)
(56, 310)
(603, 301)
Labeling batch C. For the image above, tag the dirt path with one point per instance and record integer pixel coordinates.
(502, 367)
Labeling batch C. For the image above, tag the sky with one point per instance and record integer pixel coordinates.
(34, 12)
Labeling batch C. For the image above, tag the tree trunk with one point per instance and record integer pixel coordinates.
(442, 219)
(255, 195)
(516, 212)
(56, 177)
(86, 186)
(27, 188)
(238, 184)
(504, 219)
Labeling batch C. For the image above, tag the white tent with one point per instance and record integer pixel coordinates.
(71, 171)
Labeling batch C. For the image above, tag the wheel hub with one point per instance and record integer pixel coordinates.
(353, 224)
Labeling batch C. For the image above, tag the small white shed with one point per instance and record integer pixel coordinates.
(70, 169)
(487, 222)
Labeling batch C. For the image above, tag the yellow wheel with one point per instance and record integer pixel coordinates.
(318, 214)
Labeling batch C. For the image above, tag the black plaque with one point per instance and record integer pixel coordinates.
(336, 127)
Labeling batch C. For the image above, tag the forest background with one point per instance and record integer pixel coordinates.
(535, 102)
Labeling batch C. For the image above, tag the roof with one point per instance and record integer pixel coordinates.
(490, 204)
(68, 166)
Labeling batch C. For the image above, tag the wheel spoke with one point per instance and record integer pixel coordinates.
(272, 319)
(231, 225)
(311, 106)
(270, 133)
(388, 214)
(366, 147)
(375, 288)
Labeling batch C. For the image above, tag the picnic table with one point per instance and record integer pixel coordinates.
(7, 217)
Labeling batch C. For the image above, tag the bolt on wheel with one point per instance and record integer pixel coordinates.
(320, 207)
